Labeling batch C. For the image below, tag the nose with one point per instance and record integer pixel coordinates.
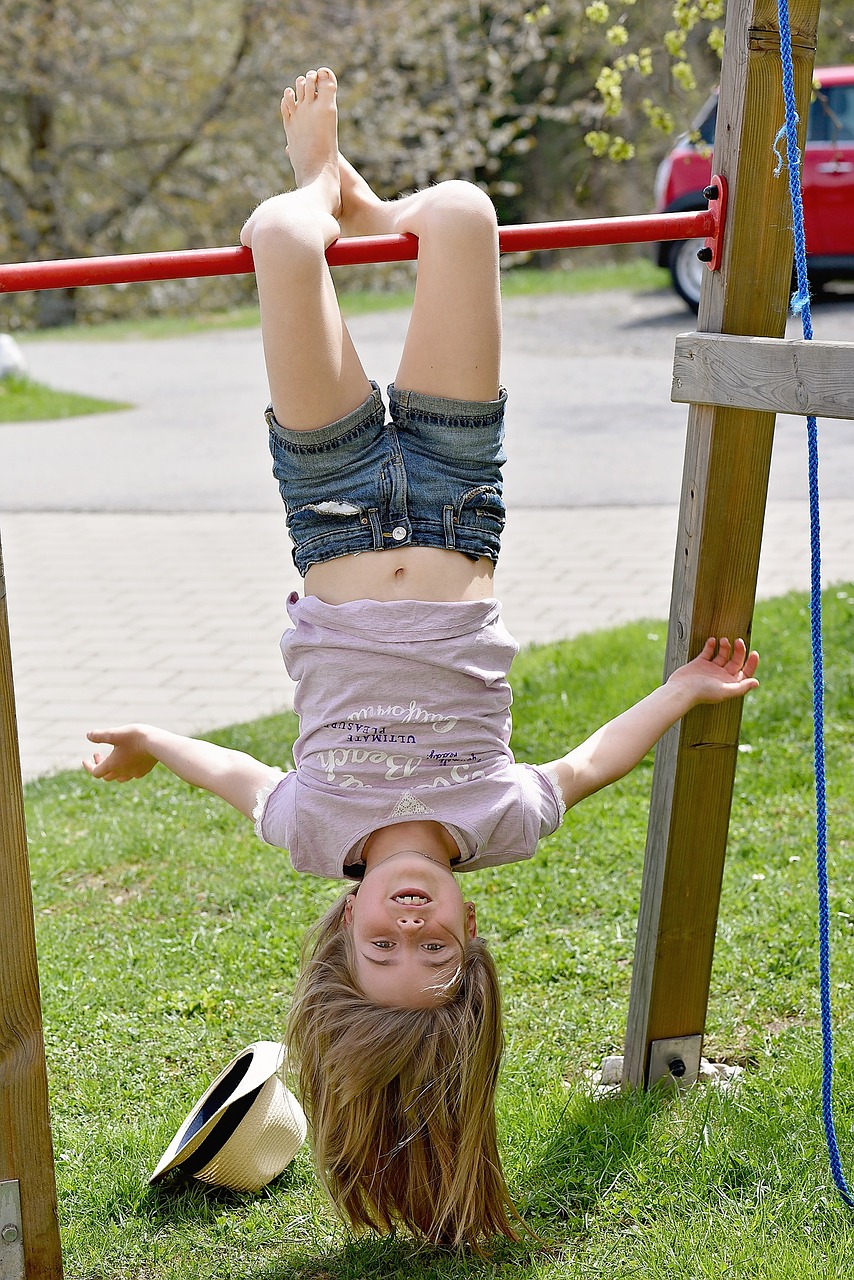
(411, 921)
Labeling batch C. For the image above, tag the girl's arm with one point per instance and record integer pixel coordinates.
(720, 672)
(137, 748)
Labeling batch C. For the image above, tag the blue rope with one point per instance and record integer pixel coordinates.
(801, 305)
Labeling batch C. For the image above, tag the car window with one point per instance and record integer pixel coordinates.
(706, 119)
(831, 117)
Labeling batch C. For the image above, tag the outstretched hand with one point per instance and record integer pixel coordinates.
(721, 671)
(128, 758)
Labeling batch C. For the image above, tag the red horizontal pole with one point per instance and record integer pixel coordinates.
(131, 268)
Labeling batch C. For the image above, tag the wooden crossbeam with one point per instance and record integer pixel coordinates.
(777, 375)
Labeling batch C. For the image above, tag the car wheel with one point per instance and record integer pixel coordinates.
(686, 271)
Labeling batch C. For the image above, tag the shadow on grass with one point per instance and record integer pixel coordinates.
(595, 1144)
(179, 1202)
(393, 1258)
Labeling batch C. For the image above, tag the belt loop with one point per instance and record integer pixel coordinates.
(401, 397)
(376, 528)
(448, 522)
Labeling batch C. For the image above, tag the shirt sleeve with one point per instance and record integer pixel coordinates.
(545, 806)
(550, 774)
(273, 810)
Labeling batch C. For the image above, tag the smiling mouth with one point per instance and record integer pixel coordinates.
(411, 898)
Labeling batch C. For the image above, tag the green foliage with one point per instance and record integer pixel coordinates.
(22, 400)
(158, 128)
(676, 45)
(112, 123)
(169, 937)
(155, 126)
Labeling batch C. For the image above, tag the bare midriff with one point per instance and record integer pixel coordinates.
(411, 573)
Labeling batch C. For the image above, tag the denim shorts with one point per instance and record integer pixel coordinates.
(431, 477)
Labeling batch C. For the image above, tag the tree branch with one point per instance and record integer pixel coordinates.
(216, 103)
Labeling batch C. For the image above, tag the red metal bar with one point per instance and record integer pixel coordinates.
(130, 268)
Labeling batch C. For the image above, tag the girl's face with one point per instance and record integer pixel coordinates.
(409, 925)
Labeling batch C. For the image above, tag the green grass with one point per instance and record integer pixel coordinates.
(169, 936)
(635, 274)
(22, 400)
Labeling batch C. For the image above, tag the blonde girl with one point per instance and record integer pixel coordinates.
(403, 771)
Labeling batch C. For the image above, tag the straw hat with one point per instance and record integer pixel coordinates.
(244, 1129)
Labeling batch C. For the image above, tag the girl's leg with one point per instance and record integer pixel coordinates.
(453, 345)
(314, 372)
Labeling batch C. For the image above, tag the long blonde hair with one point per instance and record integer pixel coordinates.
(401, 1101)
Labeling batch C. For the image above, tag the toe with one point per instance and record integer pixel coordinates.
(300, 89)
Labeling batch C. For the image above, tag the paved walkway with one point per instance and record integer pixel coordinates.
(172, 618)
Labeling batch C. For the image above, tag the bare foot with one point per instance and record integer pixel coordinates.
(310, 117)
(363, 213)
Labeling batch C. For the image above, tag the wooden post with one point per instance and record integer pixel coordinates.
(26, 1150)
(727, 458)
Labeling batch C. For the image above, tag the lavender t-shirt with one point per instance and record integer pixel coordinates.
(404, 711)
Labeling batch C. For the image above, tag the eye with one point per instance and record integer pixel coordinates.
(434, 946)
(383, 943)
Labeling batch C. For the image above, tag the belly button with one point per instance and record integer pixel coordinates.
(399, 572)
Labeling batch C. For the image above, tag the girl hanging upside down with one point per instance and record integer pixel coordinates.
(403, 771)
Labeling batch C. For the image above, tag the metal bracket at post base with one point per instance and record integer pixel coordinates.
(11, 1232)
(676, 1061)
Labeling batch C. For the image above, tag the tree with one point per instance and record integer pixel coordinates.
(152, 126)
(144, 126)
(112, 115)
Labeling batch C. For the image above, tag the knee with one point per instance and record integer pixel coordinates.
(460, 206)
(280, 228)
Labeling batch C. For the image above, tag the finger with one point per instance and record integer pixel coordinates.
(708, 650)
(96, 769)
(105, 767)
(750, 664)
(740, 660)
(724, 651)
(737, 690)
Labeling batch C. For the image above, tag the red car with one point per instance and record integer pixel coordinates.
(828, 187)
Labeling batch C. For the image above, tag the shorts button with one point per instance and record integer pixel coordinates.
(399, 533)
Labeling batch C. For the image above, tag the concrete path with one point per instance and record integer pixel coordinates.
(146, 560)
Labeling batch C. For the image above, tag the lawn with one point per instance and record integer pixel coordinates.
(22, 400)
(168, 939)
